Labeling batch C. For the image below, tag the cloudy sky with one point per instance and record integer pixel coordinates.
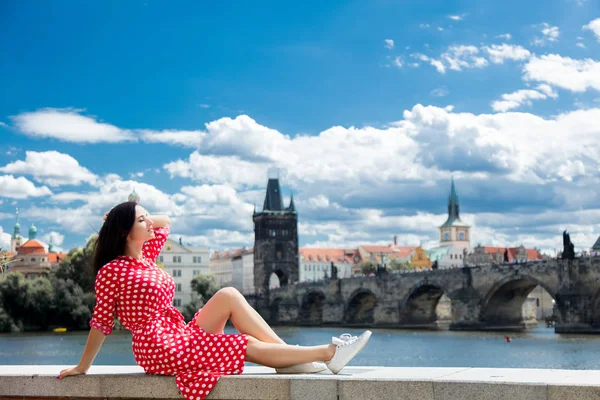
(366, 107)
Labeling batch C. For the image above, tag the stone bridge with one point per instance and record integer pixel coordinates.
(486, 297)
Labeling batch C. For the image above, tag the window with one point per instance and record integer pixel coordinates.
(177, 302)
(160, 259)
(178, 288)
(197, 259)
(537, 301)
(451, 256)
(461, 236)
(176, 273)
(32, 258)
(196, 272)
(446, 235)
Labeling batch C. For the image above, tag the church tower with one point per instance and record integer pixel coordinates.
(16, 239)
(454, 232)
(275, 239)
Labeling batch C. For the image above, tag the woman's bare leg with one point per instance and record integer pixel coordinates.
(283, 355)
(229, 303)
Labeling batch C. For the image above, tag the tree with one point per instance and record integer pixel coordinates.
(368, 267)
(77, 266)
(205, 286)
(397, 265)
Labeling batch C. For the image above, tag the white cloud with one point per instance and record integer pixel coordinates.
(439, 92)
(56, 238)
(20, 188)
(579, 44)
(499, 53)
(594, 26)
(136, 174)
(456, 17)
(204, 105)
(397, 62)
(564, 72)
(455, 58)
(424, 26)
(505, 36)
(4, 240)
(523, 96)
(389, 43)
(549, 34)
(3, 124)
(52, 168)
(214, 169)
(173, 137)
(439, 28)
(69, 125)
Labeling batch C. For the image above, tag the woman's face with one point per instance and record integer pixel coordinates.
(141, 230)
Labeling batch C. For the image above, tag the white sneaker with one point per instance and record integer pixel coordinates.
(347, 347)
(306, 368)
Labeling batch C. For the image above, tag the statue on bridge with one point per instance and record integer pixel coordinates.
(334, 271)
(568, 252)
(506, 256)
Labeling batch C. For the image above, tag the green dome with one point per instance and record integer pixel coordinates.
(134, 197)
(32, 232)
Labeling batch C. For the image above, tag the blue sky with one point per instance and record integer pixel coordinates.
(367, 107)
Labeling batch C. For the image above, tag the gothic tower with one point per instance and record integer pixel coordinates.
(454, 232)
(275, 239)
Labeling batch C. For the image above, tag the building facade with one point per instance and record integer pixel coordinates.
(243, 271)
(316, 263)
(275, 240)
(183, 263)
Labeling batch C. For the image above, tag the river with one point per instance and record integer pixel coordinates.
(537, 348)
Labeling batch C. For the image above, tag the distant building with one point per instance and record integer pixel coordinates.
(419, 259)
(183, 263)
(315, 263)
(447, 256)
(495, 255)
(134, 197)
(242, 271)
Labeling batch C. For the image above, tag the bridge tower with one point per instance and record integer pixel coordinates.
(275, 239)
(454, 232)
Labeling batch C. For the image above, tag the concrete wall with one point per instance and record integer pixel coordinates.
(353, 383)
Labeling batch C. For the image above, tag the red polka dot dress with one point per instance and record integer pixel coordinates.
(141, 296)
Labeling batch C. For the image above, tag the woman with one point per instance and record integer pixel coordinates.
(130, 285)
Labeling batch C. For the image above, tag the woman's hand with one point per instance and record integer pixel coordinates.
(71, 372)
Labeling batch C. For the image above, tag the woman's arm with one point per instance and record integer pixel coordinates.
(94, 342)
(160, 221)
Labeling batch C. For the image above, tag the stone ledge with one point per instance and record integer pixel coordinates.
(354, 383)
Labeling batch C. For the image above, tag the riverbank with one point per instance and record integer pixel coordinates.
(353, 383)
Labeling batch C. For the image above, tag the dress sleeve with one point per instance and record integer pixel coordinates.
(106, 288)
(152, 247)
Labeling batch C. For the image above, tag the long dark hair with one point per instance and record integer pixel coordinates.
(112, 238)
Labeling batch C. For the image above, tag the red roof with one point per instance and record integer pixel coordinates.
(31, 247)
(532, 254)
(56, 257)
(327, 255)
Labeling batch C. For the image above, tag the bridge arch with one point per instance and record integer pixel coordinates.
(427, 305)
(360, 308)
(311, 309)
(502, 306)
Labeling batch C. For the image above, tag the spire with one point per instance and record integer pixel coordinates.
(453, 209)
(17, 229)
(292, 206)
(51, 246)
(273, 200)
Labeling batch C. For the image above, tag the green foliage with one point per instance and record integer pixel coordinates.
(397, 265)
(368, 267)
(205, 286)
(77, 266)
